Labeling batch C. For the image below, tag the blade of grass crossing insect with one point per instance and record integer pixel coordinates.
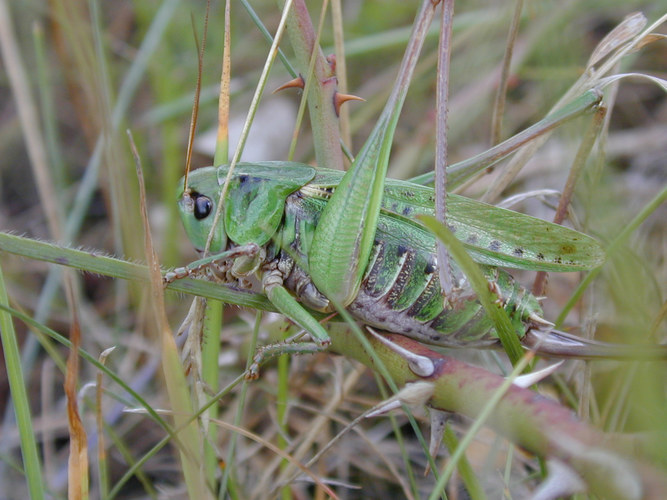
(479, 284)
(261, 84)
(31, 463)
(213, 316)
(442, 114)
(117, 268)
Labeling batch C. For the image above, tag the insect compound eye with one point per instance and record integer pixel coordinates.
(203, 207)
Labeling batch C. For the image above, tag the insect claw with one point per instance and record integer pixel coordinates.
(438, 422)
(340, 99)
(297, 82)
(420, 365)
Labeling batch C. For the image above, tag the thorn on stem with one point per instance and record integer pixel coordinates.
(297, 82)
(340, 99)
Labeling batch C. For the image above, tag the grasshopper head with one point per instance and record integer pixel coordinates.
(253, 207)
(197, 206)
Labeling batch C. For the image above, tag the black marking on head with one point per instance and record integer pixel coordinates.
(518, 251)
(203, 206)
(540, 256)
(494, 245)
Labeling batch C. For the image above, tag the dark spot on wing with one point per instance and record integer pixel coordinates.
(518, 252)
(407, 210)
(472, 239)
(451, 227)
(558, 260)
(494, 245)
(566, 249)
(540, 256)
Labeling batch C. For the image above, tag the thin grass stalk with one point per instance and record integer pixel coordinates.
(261, 84)
(191, 442)
(442, 110)
(29, 118)
(501, 94)
(590, 136)
(268, 37)
(467, 474)
(46, 105)
(230, 468)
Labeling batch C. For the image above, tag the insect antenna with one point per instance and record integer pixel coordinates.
(195, 104)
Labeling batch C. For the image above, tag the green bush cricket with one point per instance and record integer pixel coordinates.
(326, 240)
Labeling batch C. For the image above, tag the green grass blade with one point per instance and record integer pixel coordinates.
(31, 463)
(480, 285)
(117, 268)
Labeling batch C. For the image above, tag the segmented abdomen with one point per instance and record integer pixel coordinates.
(400, 291)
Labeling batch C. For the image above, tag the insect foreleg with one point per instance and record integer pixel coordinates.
(248, 253)
(272, 282)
